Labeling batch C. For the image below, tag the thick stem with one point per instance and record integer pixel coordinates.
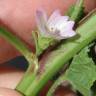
(26, 80)
(61, 55)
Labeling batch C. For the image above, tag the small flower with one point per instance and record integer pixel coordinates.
(57, 26)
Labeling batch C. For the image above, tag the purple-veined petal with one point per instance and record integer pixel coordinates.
(41, 20)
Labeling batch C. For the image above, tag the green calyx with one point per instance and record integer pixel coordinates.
(42, 43)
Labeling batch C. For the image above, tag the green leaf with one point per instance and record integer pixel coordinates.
(81, 74)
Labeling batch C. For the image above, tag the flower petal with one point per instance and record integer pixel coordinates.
(67, 25)
(41, 20)
(57, 14)
(72, 33)
(68, 33)
(70, 24)
(61, 22)
(58, 22)
(54, 15)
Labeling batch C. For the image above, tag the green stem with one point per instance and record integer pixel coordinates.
(61, 55)
(32, 60)
(25, 82)
(16, 42)
(28, 77)
(59, 81)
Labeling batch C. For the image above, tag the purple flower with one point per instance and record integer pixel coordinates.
(57, 26)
